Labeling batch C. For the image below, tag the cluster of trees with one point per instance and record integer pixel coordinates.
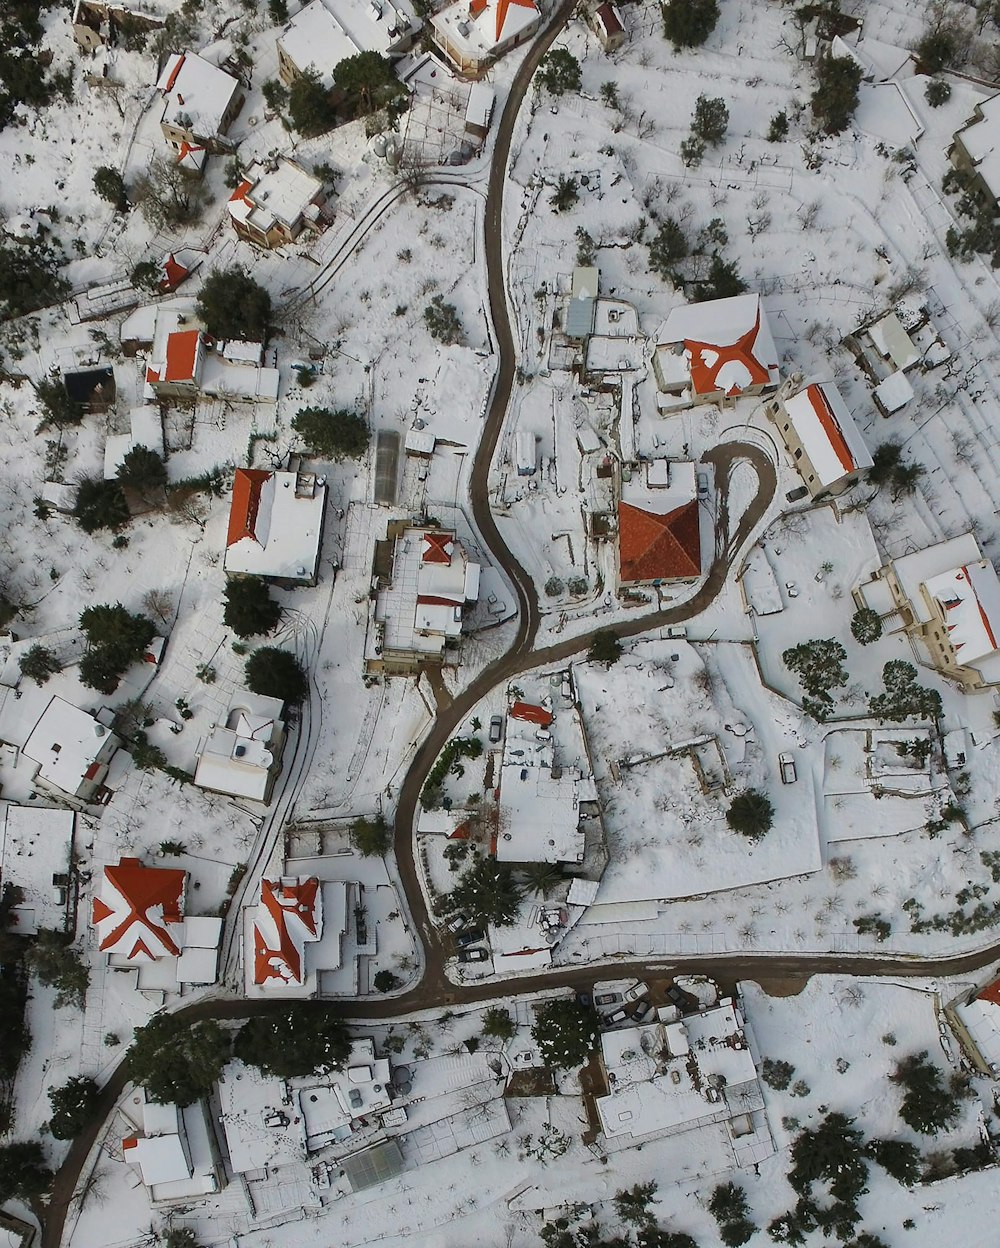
(116, 638)
(888, 469)
(167, 193)
(699, 264)
(830, 1155)
(442, 321)
(102, 504)
(24, 77)
(15, 1038)
(728, 1205)
(339, 434)
(632, 1208)
(488, 893)
(819, 666)
(275, 673)
(24, 1174)
(565, 1032)
(59, 966)
(929, 1104)
(903, 697)
(29, 276)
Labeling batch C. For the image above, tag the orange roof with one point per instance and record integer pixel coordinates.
(182, 352)
(247, 486)
(533, 714)
(173, 274)
(169, 86)
(824, 412)
(659, 548)
(242, 191)
(502, 8)
(990, 993)
(279, 899)
(708, 358)
(436, 548)
(152, 900)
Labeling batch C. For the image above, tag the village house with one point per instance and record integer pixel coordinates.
(425, 581)
(975, 149)
(36, 855)
(276, 526)
(659, 525)
(275, 202)
(819, 433)
(138, 914)
(294, 930)
(242, 756)
(946, 597)
(96, 23)
(201, 102)
(715, 352)
(670, 1077)
(582, 304)
(975, 1018)
(325, 32)
(172, 1150)
(607, 24)
(472, 34)
(72, 751)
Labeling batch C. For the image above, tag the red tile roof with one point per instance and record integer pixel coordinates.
(147, 902)
(182, 352)
(533, 714)
(659, 548)
(173, 273)
(502, 8)
(824, 412)
(280, 899)
(242, 191)
(436, 548)
(708, 358)
(991, 993)
(169, 85)
(247, 486)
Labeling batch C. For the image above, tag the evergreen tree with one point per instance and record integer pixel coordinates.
(541, 877)
(60, 967)
(710, 120)
(232, 305)
(250, 610)
(688, 23)
(73, 1106)
(488, 893)
(835, 98)
(565, 195)
(23, 1172)
(722, 281)
(275, 673)
(903, 697)
(126, 634)
(885, 461)
(632, 1204)
(369, 81)
(143, 470)
(604, 647)
(498, 1023)
(668, 248)
(309, 107)
(100, 505)
(898, 1158)
(178, 1062)
(146, 276)
(110, 185)
(339, 434)
(559, 72)
(929, 1106)
(443, 322)
(565, 1032)
(751, 814)
(60, 410)
(819, 666)
(866, 626)
(302, 1039)
(386, 981)
(38, 664)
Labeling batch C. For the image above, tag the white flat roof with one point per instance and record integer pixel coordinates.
(981, 140)
(895, 392)
(36, 843)
(160, 1158)
(827, 431)
(65, 743)
(892, 341)
(315, 40)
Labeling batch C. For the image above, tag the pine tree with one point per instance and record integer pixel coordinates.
(299, 1040)
(250, 610)
(688, 23)
(73, 1106)
(178, 1062)
(565, 1033)
(275, 673)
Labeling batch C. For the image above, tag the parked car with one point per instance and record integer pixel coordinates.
(683, 1000)
(640, 1011)
(619, 1016)
(800, 491)
(471, 936)
(703, 485)
(787, 765)
(636, 991)
(496, 728)
(456, 923)
(608, 998)
(473, 955)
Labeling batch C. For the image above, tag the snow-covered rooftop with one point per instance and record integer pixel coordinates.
(981, 1018)
(726, 345)
(360, 1088)
(240, 756)
(280, 194)
(70, 746)
(36, 852)
(981, 139)
(138, 912)
(827, 431)
(275, 524)
(198, 94)
(288, 916)
(969, 600)
(483, 28)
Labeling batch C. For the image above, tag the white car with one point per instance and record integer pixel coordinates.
(787, 765)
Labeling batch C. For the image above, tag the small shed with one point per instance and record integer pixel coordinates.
(582, 303)
(608, 27)
(479, 110)
(93, 389)
(893, 393)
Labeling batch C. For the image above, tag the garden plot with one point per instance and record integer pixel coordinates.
(649, 718)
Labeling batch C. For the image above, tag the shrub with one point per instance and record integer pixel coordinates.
(937, 92)
(339, 434)
(498, 1023)
(386, 981)
(371, 837)
(275, 673)
(778, 129)
(751, 814)
(250, 610)
(776, 1074)
(442, 321)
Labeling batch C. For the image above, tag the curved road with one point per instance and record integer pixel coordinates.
(434, 990)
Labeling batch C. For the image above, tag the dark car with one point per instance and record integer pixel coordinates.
(473, 955)
(496, 728)
(471, 936)
(683, 1000)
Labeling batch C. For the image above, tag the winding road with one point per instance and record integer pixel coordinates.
(434, 989)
